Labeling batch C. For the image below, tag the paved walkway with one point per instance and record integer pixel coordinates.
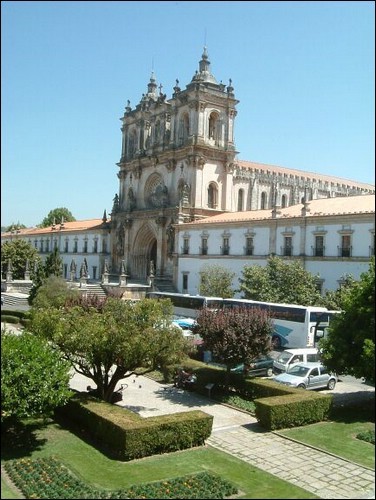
(239, 434)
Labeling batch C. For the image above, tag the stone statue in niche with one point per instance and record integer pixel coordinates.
(120, 240)
(184, 193)
(170, 231)
(132, 199)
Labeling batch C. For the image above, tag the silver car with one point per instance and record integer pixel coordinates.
(308, 376)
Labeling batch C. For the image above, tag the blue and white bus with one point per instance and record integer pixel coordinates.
(187, 306)
(294, 326)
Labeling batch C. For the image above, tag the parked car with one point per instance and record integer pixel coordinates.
(262, 366)
(289, 357)
(308, 376)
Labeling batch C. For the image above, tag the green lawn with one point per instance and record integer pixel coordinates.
(338, 435)
(93, 467)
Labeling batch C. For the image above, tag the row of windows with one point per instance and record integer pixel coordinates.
(213, 198)
(46, 247)
(287, 250)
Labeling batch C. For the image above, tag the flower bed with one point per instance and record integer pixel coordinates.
(48, 478)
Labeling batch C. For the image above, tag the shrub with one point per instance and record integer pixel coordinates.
(368, 436)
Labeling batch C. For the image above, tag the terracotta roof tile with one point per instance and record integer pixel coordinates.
(78, 225)
(326, 206)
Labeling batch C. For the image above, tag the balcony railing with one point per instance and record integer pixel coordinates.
(318, 251)
(203, 250)
(225, 250)
(185, 250)
(249, 250)
(286, 251)
(344, 251)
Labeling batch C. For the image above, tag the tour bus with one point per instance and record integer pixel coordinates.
(186, 305)
(294, 326)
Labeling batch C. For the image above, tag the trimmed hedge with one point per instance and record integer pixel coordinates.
(7, 318)
(18, 314)
(300, 407)
(128, 436)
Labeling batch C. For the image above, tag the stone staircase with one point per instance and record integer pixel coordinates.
(15, 301)
(96, 289)
(162, 284)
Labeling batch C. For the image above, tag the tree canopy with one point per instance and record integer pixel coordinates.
(34, 377)
(111, 339)
(53, 292)
(216, 281)
(236, 335)
(19, 251)
(57, 216)
(280, 281)
(349, 348)
(15, 226)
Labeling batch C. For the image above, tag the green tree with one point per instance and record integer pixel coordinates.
(216, 281)
(349, 348)
(56, 216)
(280, 281)
(19, 251)
(108, 340)
(236, 335)
(53, 266)
(334, 299)
(54, 292)
(34, 377)
(15, 226)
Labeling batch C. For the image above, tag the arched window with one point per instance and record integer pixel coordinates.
(284, 201)
(263, 200)
(212, 195)
(240, 200)
(213, 126)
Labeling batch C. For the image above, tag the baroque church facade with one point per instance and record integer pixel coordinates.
(179, 164)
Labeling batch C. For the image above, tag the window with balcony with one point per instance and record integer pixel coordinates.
(249, 246)
(66, 246)
(287, 246)
(204, 246)
(345, 248)
(226, 246)
(186, 246)
(85, 247)
(75, 246)
(318, 250)
(95, 246)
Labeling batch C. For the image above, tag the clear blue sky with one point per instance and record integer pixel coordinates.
(303, 72)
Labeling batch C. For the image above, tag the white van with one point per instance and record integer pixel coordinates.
(289, 357)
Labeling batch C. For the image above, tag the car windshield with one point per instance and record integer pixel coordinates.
(299, 371)
(284, 357)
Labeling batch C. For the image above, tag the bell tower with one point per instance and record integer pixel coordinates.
(176, 165)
